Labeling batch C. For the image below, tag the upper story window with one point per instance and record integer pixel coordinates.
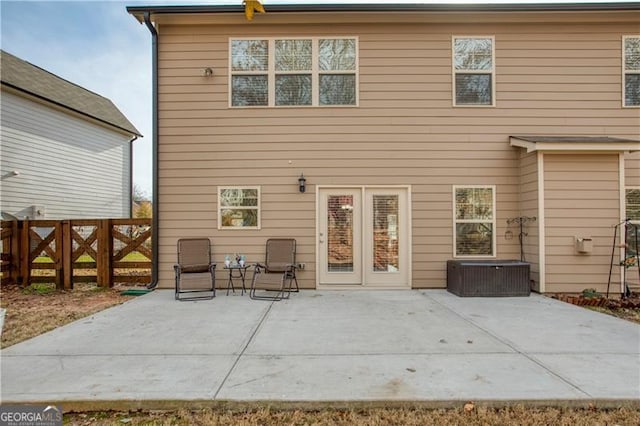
(631, 70)
(239, 207)
(473, 71)
(474, 220)
(294, 72)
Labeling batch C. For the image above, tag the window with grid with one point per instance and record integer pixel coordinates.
(293, 72)
(474, 220)
(631, 70)
(473, 71)
(632, 199)
(239, 207)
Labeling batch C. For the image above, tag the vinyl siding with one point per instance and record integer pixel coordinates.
(552, 79)
(632, 165)
(581, 199)
(529, 201)
(71, 167)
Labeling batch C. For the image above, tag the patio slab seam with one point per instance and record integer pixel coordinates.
(237, 360)
(350, 354)
(511, 345)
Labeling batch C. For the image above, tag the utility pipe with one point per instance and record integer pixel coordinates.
(154, 154)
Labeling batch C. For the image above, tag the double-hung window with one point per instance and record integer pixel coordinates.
(473, 71)
(474, 220)
(632, 198)
(294, 72)
(239, 207)
(631, 70)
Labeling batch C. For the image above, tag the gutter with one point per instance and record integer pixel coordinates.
(393, 7)
(154, 152)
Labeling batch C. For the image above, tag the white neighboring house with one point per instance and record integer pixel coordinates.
(65, 152)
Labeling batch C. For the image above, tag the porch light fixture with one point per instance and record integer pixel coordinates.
(208, 72)
(302, 183)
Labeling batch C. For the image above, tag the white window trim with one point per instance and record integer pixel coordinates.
(258, 207)
(492, 72)
(635, 222)
(315, 72)
(492, 221)
(625, 72)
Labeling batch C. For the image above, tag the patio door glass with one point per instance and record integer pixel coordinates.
(386, 237)
(340, 236)
(363, 244)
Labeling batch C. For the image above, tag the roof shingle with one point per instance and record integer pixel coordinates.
(33, 80)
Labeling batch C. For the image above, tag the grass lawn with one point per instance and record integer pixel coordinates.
(131, 257)
(400, 416)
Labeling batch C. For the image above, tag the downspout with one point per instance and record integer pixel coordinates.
(131, 176)
(154, 151)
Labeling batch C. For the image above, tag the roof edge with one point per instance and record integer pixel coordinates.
(394, 7)
(575, 144)
(132, 131)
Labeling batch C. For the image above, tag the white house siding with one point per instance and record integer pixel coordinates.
(73, 168)
(558, 79)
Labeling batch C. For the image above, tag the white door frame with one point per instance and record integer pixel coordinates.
(409, 242)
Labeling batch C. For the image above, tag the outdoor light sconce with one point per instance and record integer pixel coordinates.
(302, 183)
(208, 72)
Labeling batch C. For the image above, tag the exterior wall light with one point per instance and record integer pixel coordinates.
(302, 183)
(208, 72)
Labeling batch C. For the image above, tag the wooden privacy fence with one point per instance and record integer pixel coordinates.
(104, 251)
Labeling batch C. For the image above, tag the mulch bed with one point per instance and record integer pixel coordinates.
(628, 309)
(632, 302)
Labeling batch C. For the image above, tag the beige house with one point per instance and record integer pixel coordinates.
(424, 133)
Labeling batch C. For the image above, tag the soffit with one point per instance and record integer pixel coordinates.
(573, 144)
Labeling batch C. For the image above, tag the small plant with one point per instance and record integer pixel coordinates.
(591, 293)
(41, 289)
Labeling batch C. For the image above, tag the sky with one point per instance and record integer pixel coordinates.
(98, 45)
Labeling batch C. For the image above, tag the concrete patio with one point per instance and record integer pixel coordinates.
(343, 347)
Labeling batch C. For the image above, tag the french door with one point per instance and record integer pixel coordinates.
(363, 237)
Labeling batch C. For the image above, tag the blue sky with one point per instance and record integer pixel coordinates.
(98, 45)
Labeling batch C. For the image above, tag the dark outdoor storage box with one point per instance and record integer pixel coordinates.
(488, 278)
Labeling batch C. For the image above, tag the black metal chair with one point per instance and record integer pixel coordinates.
(194, 257)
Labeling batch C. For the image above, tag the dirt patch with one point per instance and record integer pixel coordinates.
(401, 416)
(628, 309)
(40, 308)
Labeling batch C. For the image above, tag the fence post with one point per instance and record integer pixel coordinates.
(59, 254)
(25, 254)
(67, 255)
(14, 244)
(105, 253)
